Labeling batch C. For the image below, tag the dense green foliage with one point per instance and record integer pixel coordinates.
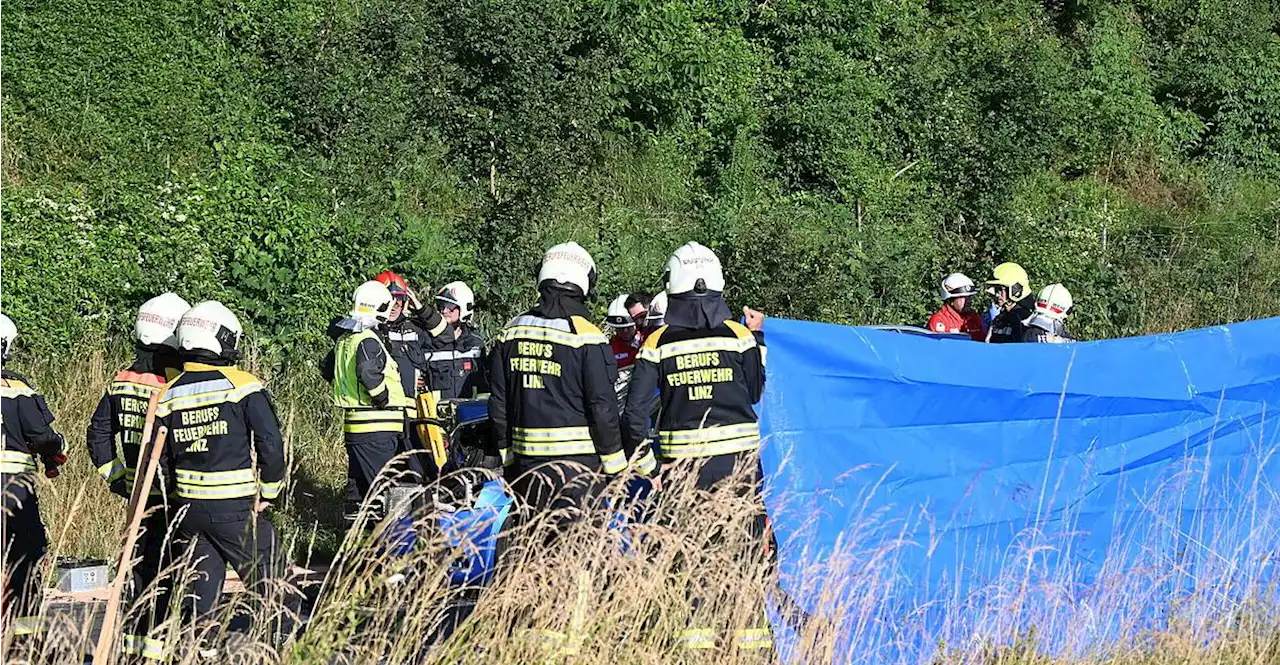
(840, 155)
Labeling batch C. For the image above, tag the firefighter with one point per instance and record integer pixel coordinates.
(455, 361)
(553, 408)
(28, 436)
(410, 331)
(623, 342)
(957, 314)
(1049, 323)
(114, 439)
(223, 463)
(367, 387)
(1011, 290)
(706, 372)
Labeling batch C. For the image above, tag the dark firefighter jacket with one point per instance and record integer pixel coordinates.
(456, 363)
(1009, 325)
(409, 339)
(707, 381)
(28, 425)
(552, 391)
(114, 436)
(223, 447)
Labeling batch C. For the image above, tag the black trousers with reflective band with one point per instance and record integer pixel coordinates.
(25, 544)
(371, 452)
(248, 543)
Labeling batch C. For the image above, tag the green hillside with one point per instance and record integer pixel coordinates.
(841, 156)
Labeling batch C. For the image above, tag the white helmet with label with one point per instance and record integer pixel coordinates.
(461, 295)
(157, 321)
(618, 316)
(372, 300)
(8, 335)
(1053, 302)
(957, 285)
(694, 268)
(569, 263)
(657, 309)
(210, 327)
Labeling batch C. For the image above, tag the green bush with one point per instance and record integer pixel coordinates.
(841, 157)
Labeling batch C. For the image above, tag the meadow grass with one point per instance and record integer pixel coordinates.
(580, 598)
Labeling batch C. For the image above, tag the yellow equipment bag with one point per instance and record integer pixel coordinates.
(432, 435)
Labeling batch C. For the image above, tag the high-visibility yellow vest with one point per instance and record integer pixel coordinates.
(348, 392)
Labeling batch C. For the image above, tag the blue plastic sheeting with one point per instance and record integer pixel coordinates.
(928, 490)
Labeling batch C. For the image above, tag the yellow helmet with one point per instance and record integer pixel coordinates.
(1012, 277)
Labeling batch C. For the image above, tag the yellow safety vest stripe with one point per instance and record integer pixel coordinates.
(27, 625)
(613, 462)
(696, 638)
(16, 390)
(367, 421)
(552, 449)
(198, 492)
(169, 404)
(550, 433)
(753, 638)
(373, 415)
(647, 464)
(552, 441)
(709, 441)
(14, 461)
(270, 491)
(572, 340)
(112, 471)
(237, 484)
(685, 347)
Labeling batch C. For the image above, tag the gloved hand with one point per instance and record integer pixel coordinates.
(382, 399)
(120, 488)
(992, 312)
(52, 464)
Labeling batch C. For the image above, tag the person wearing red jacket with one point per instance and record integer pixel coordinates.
(625, 342)
(956, 315)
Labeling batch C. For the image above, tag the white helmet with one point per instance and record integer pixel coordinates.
(690, 265)
(372, 300)
(657, 309)
(461, 295)
(569, 263)
(1053, 302)
(211, 327)
(957, 285)
(158, 320)
(618, 316)
(8, 335)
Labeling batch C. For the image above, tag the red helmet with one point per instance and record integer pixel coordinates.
(394, 283)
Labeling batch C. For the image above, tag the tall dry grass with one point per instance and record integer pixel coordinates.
(581, 598)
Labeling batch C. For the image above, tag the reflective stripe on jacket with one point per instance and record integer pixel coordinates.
(223, 442)
(364, 370)
(27, 425)
(707, 382)
(552, 391)
(114, 436)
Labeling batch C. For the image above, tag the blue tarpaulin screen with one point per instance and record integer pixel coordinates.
(927, 489)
